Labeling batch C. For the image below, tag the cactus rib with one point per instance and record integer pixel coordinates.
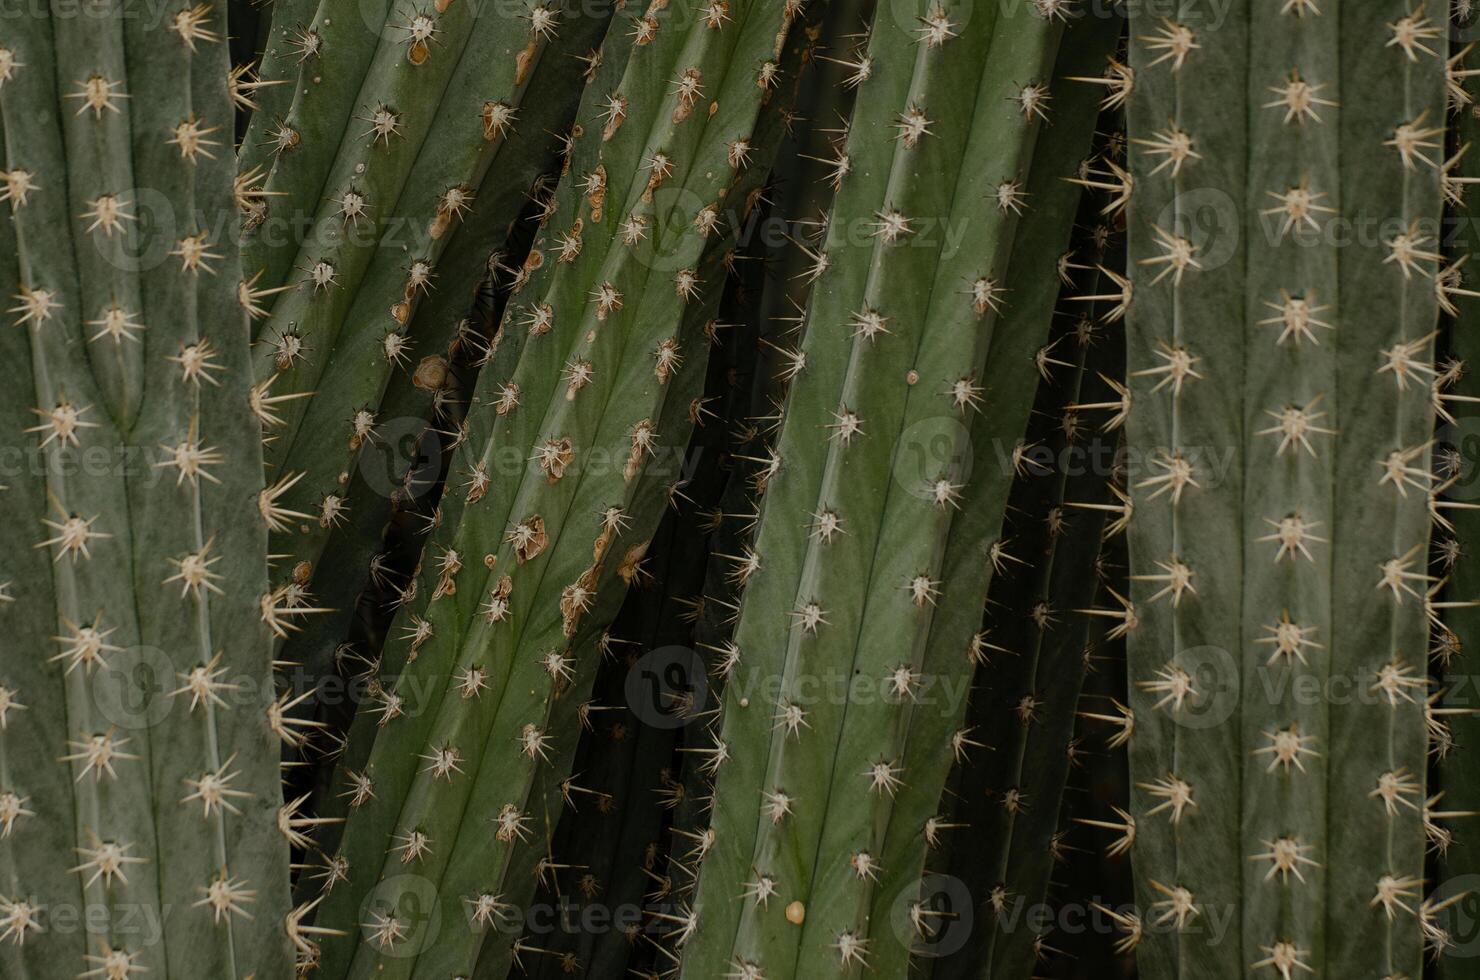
(152, 764)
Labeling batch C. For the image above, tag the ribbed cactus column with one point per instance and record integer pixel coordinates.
(1391, 152)
(803, 185)
(1289, 450)
(555, 786)
(619, 791)
(904, 927)
(138, 759)
(369, 183)
(315, 63)
(852, 579)
(429, 388)
(1279, 546)
(1188, 124)
(561, 483)
(1039, 623)
(276, 67)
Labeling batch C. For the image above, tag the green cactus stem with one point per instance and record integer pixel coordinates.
(1024, 707)
(1272, 456)
(1021, 338)
(140, 813)
(552, 787)
(624, 792)
(290, 73)
(353, 560)
(416, 405)
(809, 788)
(391, 207)
(803, 184)
(511, 588)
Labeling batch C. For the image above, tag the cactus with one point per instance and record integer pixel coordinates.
(1097, 804)
(552, 787)
(389, 144)
(1453, 712)
(389, 474)
(392, 477)
(500, 232)
(608, 313)
(139, 801)
(763, 340)
(827, 782)
(623, 793)
(1024, 708)
(606, 855)
(913, 859)
(1269, 456)
(265, 86)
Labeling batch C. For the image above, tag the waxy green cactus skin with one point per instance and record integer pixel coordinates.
(378, 480)
(188, 511)
(827, 920)
(611, 872)
(381, 194)
(317, 61)
(1291, 556)
(137, 739)
(295, 96)
(552, 785)
(1387, 314)
(1193, 848)
(553, 788)
(803, 185)
(1021, 333)
(357, 540)
(1281, 805)
(611, 309)
(366, 664)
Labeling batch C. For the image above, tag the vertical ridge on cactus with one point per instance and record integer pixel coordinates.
(618, 795)
(1016, 747)
(1388, 312)
(1270, 445)
(1185, 371)
(380, 194)
(610, 310)
(1291, 435)
(426, 395)
(144, 764)
(1017, 356)
(790, 51)
(804, 905)
(802, 187)
(356, 350)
